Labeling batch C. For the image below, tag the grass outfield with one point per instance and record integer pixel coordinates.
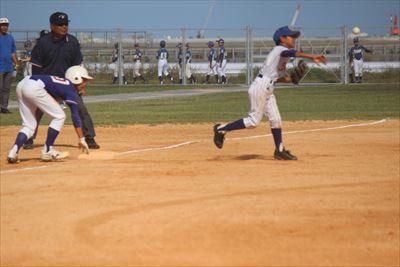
(328, 102)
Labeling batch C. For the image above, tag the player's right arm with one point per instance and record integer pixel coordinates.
(316, 58)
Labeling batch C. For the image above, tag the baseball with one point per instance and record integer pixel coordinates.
(356, 30)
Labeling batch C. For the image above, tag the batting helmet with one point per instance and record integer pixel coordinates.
(43, 33)
(136, 45)
(355, 40)
(116, 45)
(221, 41)
(162, 43)
(4, 21)
(210, 44)
(76, 74)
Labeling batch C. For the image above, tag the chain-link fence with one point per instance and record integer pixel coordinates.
(247, 49)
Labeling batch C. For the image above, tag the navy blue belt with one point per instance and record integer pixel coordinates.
(259, 75)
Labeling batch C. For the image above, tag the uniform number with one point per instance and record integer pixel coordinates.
(163, 55)
(59, 80)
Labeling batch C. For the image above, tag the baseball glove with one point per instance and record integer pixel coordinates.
(298, 72)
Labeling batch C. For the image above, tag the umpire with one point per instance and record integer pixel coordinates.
(53, 54)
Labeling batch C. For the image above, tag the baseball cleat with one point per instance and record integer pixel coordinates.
(219, 137)
(13, 155)
(53, 155)
(284, 155)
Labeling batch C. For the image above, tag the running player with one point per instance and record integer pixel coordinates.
(262, 99)
(212, 63)
(137, 59)
(162, 57)
(40, 92)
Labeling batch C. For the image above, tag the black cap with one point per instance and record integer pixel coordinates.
(59, 18)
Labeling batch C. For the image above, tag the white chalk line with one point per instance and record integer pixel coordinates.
(194, 142)
(158, 148)
(312, 130)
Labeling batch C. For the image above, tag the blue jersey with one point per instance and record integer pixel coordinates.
(356, 52)
(7, 47)
(212, 55)
(188, 56)
(162, 53)
(222, 54)
(63, 89)
(138, 55)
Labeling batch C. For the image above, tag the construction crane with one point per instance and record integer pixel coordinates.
(200, 33)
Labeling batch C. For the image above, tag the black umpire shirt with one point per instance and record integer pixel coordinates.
(53, 57)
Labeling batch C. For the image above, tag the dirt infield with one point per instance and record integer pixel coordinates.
(165, 196)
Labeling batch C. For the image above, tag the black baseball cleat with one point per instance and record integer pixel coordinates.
(91, 143)
(284, 155)
(219, 137)
(28, 144)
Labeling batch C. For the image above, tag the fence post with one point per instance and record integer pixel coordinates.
(343, 58)
(183, 69)
(249, 55)
(120, 56)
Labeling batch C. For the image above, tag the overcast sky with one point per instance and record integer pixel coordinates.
(372, 15)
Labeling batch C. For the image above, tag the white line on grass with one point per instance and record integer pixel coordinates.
(194, 142)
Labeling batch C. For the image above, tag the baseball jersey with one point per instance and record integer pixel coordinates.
(188, 56)
(7, 47)
(52, 56)
(222, 54)
(63, 89)
(212, 55)
(162, 53)
(356, 52)
(275, 63)
(137, 56)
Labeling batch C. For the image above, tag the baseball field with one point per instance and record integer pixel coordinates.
(159, 193)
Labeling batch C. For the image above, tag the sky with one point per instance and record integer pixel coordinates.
(370, 15)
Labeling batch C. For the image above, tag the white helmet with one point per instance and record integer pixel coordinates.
(76, 73)
(4, 21)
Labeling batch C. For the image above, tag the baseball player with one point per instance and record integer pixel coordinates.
(356, 59)
(212, 63)
(262, 99)
(117, 63)
(222, 58)
(188, 61)
(137, 59)
(162, 57)
(27, 57)
(42, 92)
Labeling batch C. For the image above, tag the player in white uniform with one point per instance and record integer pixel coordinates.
(117, 64)
(188, 63)
(212, 63)
(162, 57)
(222, 59)
(42, 92)
(137, 59)
(262, 99)
(356, 59)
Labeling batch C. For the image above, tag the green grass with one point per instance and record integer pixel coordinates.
(328, 102)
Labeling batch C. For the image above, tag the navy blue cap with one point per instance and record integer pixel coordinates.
(284, 31)
(59, 18)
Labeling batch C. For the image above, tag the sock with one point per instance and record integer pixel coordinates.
(236, 125)
(51, 138)
(277, 134)
(20, 140)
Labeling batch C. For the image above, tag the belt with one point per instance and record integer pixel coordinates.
(259, 75)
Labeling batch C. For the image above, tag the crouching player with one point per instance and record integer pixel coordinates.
(44, 92)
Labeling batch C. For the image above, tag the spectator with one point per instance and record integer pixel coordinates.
(53, 54)
(7, 57)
